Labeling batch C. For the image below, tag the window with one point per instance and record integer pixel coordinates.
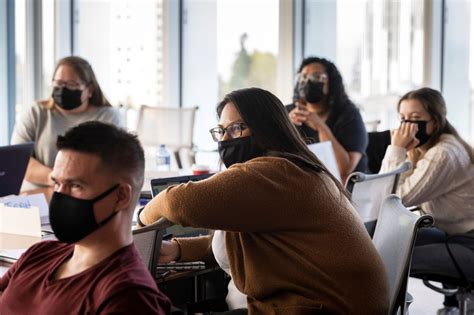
(471, 74)
(48, 54)
(377, 45)
(247, 52)
(380, 47)
(124, 42)
(22, 83)
(34, 51)
(227, 45)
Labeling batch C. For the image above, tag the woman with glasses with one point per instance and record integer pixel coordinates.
(76, 98)
(285, 229)
(322, 111)
(441, 181)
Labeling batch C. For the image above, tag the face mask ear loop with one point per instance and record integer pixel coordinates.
(104, 194)
(101, 196)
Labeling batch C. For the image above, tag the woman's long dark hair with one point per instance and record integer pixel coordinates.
(337, 93)
(433, 102)
(272, 129)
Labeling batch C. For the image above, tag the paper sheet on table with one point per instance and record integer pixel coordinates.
(11, 255)
(35, 200)
(325, 153)
(20, 221)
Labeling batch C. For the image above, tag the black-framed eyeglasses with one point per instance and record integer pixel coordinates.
(233, 130)
(72, 85)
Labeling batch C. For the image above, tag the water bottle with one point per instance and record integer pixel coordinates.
(163, 159)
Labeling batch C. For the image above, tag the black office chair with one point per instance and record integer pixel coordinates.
(369, 190)
(147, 240)
(378, 143)
(456, 280)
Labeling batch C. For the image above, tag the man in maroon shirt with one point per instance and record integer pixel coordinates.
(94, 268)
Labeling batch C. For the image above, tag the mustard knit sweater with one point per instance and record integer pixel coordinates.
(295, 244)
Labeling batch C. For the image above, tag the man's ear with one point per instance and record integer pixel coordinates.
(124, 196)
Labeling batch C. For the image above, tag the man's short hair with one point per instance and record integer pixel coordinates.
(119, 150)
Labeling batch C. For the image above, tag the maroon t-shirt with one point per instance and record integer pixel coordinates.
(119, 284)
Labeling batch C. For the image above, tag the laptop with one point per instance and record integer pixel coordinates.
(160, 184)
(13, 162)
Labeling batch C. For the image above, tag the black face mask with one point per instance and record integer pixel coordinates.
(421, 134)
(72, 219)
(310, 91)
(238, 150)
(67, 99)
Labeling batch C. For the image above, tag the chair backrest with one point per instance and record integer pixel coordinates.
(394, 239)
(172, 126)
(378, 143)
(369, 190)
(148, 240)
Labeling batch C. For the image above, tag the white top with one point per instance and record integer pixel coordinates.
(235, 299)
(442, 183)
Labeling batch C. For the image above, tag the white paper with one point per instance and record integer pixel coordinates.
(19, 220)
(13, 254)
(27, 201)
(325, 153)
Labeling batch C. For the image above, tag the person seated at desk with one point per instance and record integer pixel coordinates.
(293, 242)
(76, 97)
(441, 181)
(94, 268)
(322, 111)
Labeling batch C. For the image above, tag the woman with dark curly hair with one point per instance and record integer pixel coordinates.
(322, 111)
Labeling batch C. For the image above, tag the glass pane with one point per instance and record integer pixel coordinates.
(123, 41)
(247, 52)
(47, 45)
(380, 46)
(471, 73)
(20, 54)
(227, 44)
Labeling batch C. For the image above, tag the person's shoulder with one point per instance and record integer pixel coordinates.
(46, 248)
(125, 281)
(38, 108)
(126, 269)
(109, 114)
(266, 164)
(449, 148)
(349, 110)
(107, 109)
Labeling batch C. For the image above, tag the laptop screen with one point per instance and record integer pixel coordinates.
(13, 162)
(160, 184)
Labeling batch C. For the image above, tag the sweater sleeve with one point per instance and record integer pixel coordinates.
(244, 198)
(196, 248)
(427, 180)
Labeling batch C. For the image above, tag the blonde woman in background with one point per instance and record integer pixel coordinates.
(441, 183)
(76, 98)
